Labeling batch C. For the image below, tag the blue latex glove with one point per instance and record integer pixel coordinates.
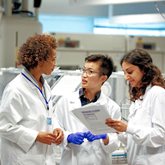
(76, 138)
(91, 137)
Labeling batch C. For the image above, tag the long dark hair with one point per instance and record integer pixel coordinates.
(152, 74)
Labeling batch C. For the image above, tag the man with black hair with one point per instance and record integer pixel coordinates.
(81, 147)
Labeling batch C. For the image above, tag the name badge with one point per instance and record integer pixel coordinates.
(49, 120)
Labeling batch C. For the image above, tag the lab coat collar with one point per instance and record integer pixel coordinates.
(84, 100)
(30, 76)
(147, 89)
(46, 91)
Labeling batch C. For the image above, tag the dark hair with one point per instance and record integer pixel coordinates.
(152, 74)
(106, 63)
(37, 48)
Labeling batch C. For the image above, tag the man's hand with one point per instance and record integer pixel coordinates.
(76, 138)
(91, 137)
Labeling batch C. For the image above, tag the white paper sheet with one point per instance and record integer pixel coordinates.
(93, 116)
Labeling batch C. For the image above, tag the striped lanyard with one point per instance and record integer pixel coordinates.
(44, 96)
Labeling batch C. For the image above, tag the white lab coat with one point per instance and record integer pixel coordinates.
(88, 153)
(145, 135)
(23, 114)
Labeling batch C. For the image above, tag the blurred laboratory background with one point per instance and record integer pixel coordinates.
(112, 27)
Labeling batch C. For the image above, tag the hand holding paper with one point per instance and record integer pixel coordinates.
(93, 116)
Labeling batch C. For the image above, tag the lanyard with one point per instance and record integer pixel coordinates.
(47, 102)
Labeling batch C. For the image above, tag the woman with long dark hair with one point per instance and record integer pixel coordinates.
(144, 133)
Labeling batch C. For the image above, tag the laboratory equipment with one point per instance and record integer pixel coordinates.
(14, 30)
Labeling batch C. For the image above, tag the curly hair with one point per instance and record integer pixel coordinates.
(106, 63)
(36, 48)
(152, 74)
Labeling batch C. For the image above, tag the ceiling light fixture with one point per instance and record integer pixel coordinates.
(139, 18)
(99, 2)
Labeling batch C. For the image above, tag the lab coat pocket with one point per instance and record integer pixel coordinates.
(157, 158)
(30, 159)
(140, 160)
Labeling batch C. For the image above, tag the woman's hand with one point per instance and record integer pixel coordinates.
(118, 125)
(45, 137)
(59, 136)
(48, 138)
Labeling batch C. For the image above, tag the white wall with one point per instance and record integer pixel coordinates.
(97, 42)
(113, 45)
(89, 43)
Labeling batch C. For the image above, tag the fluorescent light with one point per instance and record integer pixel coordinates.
(139, 18)
(97, 2)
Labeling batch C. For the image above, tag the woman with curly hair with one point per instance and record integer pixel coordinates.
(27, 125)
(144, 134)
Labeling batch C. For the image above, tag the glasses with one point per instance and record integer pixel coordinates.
(89, 72)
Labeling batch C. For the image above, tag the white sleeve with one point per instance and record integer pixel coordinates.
(10, 115)
(59, 113)
(153, 135)
(114, 142)
(123, 137)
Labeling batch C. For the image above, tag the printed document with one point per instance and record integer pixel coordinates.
(93, 116)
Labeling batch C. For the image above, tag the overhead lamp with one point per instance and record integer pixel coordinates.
(137, 18)
(102, 2)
